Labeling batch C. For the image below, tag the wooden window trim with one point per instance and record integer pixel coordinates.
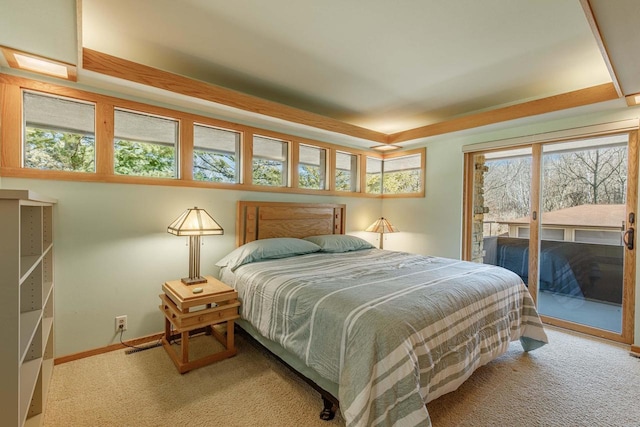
(11, 88)
(104, 139)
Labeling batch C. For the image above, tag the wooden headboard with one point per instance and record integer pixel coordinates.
(264, 220)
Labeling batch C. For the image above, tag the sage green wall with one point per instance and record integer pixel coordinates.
(112, 251)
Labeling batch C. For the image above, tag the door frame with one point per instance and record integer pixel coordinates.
(629, 263)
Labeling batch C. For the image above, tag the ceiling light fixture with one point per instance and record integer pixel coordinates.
(386, 147)
(37, 64)
(633, 100)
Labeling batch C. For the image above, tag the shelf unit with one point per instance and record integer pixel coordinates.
(26, 305)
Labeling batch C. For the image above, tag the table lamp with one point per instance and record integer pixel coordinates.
(382, 226)
(194, 223)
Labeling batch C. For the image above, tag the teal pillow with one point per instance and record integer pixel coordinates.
(339, 243)
(280, 247)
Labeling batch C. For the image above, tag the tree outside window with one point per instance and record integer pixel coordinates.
(59, 133)
(374, 175)
(402, 175)
(216, 154)
(312, 167)
(270, 161)
(346, 171)
(145, 145)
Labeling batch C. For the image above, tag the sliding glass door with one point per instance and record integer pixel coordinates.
(501, 200)
(583, 216)
(562, 217)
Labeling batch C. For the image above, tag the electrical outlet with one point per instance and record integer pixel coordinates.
(121, 323)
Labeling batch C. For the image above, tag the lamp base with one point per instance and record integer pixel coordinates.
(193, 280)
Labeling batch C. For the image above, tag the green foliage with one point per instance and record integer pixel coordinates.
(144, 159)
(397, 182)
(343, 180)
(62, 151)
(65, 151)
(309, 177)
(374, 183)
(214, 167)
(268, 172)
(400, 182)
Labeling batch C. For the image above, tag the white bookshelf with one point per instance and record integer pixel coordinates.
(26, 305)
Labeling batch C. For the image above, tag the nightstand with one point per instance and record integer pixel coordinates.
(191, 313)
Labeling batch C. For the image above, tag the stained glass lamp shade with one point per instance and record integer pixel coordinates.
(194, 223)
(382, 226)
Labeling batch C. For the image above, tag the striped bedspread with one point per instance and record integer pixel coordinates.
(393, 330)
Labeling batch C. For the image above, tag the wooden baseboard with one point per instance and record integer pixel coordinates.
(635, 350)
(112, 347)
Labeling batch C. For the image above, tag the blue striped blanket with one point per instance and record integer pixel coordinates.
(393, 330)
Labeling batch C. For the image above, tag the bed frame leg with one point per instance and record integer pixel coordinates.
(329, 410)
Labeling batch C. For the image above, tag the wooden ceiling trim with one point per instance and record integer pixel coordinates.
(591, 19)
(591, 95)
(121, 68)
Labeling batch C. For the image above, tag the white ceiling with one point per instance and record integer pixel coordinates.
(386, 66)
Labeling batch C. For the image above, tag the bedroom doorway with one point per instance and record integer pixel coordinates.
(561, 216)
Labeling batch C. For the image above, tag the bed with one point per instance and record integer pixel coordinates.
(380, 332)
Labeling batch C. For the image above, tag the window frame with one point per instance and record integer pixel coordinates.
(177, 150)
(12, 138)
(23, 126)
(286, 164)
(238, 153)
(366, 174)
(355, 173)
(422, 180)
(323, 167)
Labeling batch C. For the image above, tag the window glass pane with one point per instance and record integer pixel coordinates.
(523, 232)
(346, 171)
(59, 133)
(552, 234)
(216, 154)
(500, 209)
(312, 167)
(374, 175)
(601, 237)
(545, 234)
(584, 186)
(270, 161)
(145, 145)
(402, 175)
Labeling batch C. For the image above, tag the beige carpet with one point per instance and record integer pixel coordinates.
(574, 381)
